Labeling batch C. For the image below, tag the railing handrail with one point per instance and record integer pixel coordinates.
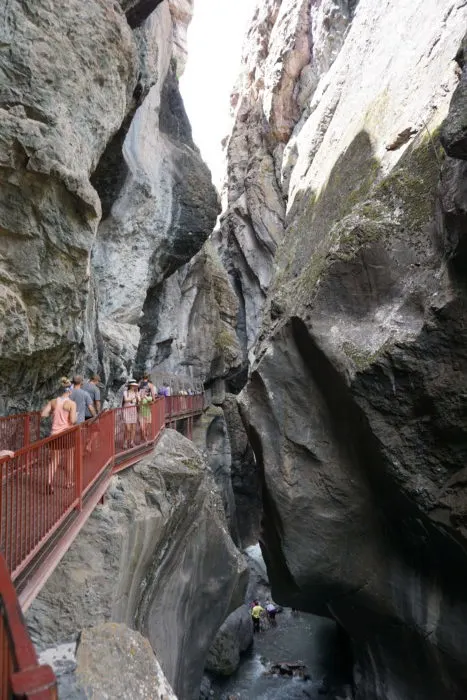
(41, 442)
(27, 678)
(170, 413)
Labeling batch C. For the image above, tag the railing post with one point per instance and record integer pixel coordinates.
(113, 437)
(27, 429)
(79, 467)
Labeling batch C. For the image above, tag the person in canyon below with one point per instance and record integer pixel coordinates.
(130, 402)
(64, 416)
(271, 611)
(256, 612)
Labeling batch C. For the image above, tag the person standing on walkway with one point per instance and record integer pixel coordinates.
(145, 384)
(93, 390)
(145, 416)
(130, 403)
(64, 415)
(82, 399)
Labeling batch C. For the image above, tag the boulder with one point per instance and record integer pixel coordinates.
(234, 637)
(113, 661)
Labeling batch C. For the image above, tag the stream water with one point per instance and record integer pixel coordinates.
(297, 637)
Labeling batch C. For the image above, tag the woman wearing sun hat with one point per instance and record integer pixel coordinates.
(130, 403)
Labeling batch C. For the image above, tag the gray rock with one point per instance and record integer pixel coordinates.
(158, 559)
(190, 321)
(258, 581)
(65, 92)
(114, 661)
(100, 174)
(210, 435)
(160, 215)
(234, 637)
(244, 474)
(357, 386)
(206, 692)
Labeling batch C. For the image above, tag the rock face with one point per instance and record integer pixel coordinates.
(190, 322)
(103, 193)
(211, 437)
(356, 399)
(289, 45)
(157, 557)
(65, 92)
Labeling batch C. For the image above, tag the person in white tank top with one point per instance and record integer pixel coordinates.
(64, 415)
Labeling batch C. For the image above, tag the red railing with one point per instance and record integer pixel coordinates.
(97, 449)
(19, 430)
(46, 481)
(20, 674)
(177, 407)
(40, 488)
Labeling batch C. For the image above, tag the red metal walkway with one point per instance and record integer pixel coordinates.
(47, 492)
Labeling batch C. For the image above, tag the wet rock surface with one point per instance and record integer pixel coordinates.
(157, 557)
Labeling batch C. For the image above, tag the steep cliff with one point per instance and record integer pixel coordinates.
(103, 193)
(157, 557)
(343, 231)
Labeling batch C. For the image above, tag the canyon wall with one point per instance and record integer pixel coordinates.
(103, 193)
(343, 233)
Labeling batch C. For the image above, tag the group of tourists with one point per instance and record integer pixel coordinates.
(136, 402)
(77, 401)
(258, 613)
